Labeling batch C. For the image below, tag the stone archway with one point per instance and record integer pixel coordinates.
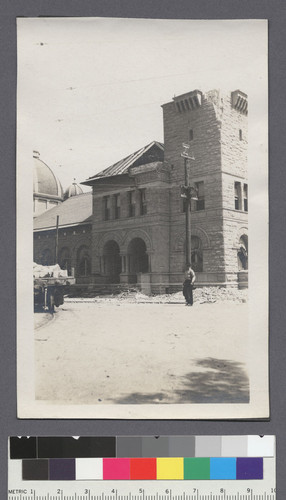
(199, 244)
(111, 261)
(137, 258)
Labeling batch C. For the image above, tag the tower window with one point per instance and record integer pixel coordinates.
(200, 203)
(191, 135)
(245, 197)
(237, 196)
(240, 134)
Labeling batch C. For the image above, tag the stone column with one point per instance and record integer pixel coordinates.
(149, 263)
(124, 268)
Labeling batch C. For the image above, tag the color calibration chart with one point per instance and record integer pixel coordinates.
(142, 468)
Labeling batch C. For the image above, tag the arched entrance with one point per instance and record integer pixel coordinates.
(111, 261)
(242, 253)
(138, 258)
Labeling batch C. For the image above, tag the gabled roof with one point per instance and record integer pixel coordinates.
(151, 153)
(75, 210)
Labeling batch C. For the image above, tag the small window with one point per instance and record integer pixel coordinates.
(245, 197)
(143, 202)
(191, 135)
(131, 203)
(106, 207)
(200, 203)
(117, 206)
(240, 134)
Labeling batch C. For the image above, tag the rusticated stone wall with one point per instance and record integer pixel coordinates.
(217, 135)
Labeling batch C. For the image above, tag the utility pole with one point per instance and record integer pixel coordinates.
(188, 193)
(57, 240)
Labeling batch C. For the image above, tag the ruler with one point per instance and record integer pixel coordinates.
(193, 491)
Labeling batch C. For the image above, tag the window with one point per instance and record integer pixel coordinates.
(117, 206)
(240, 196)
(242, 253)
(245, 197)
(46, 258)
(143, 202)
(240, 134)
(83, 261)
(131, 203)
(237, 196)
(196, 254)
(65, 259)
(106, 207)
(200, 203)
(191, 135)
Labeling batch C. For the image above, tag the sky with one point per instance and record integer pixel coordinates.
(90, 90)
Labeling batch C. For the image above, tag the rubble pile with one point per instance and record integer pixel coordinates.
(201, 296)
(54, 271)
(219, 294)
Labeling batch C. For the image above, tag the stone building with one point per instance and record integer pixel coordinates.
(136, 227)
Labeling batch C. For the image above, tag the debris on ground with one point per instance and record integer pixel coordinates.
(201, 296)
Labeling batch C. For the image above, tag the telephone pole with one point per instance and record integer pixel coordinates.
(57, 240)
(189, 193)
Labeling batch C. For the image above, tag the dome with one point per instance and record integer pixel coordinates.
(45, 183)
(73, 190)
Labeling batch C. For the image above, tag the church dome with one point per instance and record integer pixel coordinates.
(73, 190)
(45, 183)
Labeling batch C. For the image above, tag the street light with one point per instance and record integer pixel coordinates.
(189, 193)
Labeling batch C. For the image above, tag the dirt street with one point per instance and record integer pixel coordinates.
(118, 352)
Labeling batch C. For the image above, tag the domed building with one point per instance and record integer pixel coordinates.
(47, 189)
(73, 190)
(71, 211)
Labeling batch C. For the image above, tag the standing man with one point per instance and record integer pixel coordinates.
(190, 278)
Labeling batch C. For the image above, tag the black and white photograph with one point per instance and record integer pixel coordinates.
(142, 218)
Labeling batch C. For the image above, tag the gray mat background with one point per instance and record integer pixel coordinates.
(275, 11)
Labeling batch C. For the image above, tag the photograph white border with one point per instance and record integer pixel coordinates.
(257, 363)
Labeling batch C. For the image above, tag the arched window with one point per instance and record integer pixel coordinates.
(65, 259)
(46, 257)
(197, 254)
(242, 253)
(83, 261)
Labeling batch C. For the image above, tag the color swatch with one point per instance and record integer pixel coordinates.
(142, 458)
(161, 468)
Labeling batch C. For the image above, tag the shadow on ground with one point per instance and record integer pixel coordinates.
(219, 381)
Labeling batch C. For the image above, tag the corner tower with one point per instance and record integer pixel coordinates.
(214, 125)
